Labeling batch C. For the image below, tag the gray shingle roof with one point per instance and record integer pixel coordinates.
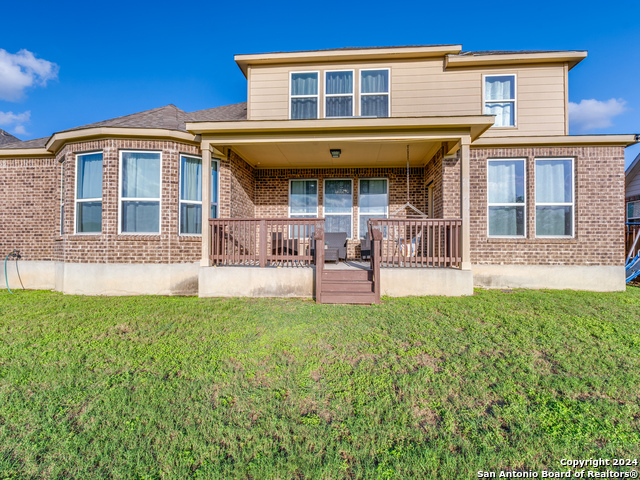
(6, 137)
(35, 143)
(168, 117)
(226, 113)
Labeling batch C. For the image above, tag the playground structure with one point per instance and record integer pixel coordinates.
(632, 264)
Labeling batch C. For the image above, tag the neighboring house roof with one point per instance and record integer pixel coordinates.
(6, 137)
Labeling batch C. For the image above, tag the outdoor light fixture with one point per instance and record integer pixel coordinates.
(335, 152)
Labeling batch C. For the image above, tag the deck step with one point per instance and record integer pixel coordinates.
(349, 286)
(353, 275)
(349, 298)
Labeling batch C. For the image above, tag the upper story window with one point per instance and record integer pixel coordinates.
(339, 94)
(500, 99)
(374, 93)
(304, 95)
(140, 192)
(554, 197)
(191, 194)
(88, 193)
(506, 183)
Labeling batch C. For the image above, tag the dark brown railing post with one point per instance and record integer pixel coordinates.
(263, 243)
(376, 242)
(319, 237)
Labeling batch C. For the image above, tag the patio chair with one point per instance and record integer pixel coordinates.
(365, 247)
(338, 241)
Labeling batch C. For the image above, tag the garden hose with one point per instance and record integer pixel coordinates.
(15, 253)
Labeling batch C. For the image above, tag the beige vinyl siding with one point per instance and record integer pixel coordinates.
(634, 187)
(423, 88)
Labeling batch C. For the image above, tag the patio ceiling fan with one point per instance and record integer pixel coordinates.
(403, 208)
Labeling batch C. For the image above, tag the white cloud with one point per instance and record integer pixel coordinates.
(595, 115)
(19, 71)
(15, 121)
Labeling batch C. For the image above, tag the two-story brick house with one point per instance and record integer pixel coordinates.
(476, 142)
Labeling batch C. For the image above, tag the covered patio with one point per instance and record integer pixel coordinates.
(396, 152)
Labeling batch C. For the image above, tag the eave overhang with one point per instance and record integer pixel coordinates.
(57, 140)
(344, 55)
(572, 58)
(26, 152)
(341, 128)
(557, 140)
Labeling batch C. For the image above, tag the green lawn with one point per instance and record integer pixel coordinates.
(155, 387)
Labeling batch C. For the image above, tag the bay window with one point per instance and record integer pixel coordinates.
(506, 181)
(500, 99)
(554, 197)
(338, 206)
(88, 193)
(191, 194)
(374, 93)
(339, 94)
(373, 202)
(304, 95)
(140, 181)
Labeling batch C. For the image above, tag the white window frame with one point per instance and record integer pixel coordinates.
(388, 94)
(563, 204)
(217, 199)
(514, 100)
(317, 197)
(316, 96)
(138, 199)
(83, 200)
(332, 95)
(514, 204)
(386, 213)
(195, 202)
(324, 196)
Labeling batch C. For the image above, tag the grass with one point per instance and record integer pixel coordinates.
(154, 387)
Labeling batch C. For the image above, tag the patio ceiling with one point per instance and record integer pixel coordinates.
(364, 142)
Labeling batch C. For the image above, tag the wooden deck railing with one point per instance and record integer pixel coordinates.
(410, 242)
(263, 242)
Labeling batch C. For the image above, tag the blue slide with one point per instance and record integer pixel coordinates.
(633, 268)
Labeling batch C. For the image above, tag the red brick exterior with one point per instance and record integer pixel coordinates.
(29, 204)
(31, 194)
(599, 210)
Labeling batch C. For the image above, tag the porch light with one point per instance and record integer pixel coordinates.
(335, 152)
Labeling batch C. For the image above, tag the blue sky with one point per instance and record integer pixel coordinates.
(115, 58)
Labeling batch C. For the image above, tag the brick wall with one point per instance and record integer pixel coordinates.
(109, 247)
(237, 187)
(599, 210)
(29, 206)
(272, 191)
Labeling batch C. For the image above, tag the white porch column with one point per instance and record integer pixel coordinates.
(206, 207)
(465, 205)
